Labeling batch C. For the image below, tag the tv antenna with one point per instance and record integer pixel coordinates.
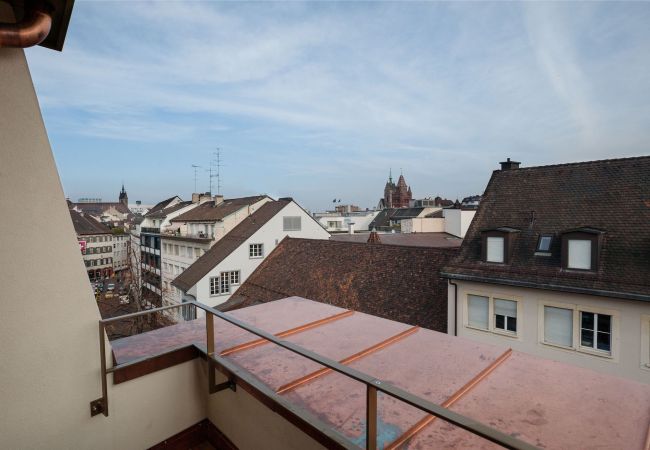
(215, 170)
(195, 167)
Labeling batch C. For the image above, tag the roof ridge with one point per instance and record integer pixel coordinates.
(578, 163)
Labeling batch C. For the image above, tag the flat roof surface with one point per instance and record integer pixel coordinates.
(407, 239)
(545, 403)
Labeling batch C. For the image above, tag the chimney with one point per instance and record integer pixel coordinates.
(509, 165)
(374, 237)
(195, 197)
(218, 199)
(351, 228)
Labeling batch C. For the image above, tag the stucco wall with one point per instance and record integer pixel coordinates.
(250, 425)
(629, 327)
(423, 225)
(457, 221)
(270, 235)
(48, 338)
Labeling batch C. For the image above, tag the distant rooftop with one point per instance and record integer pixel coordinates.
(407, 239)
(515, 393)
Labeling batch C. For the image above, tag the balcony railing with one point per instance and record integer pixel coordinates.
(373, 385)
(150, 230)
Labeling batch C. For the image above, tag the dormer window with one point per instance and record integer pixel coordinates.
(497, 244)
(579, 254)
(580, 249)
(495, 247)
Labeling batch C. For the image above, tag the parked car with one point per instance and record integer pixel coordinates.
(109, 294)
(111, 286)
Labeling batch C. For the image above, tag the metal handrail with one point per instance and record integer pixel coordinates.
(373, 385)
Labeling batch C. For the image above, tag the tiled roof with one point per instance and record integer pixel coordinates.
(610, 195)
(98, 208)
(86, 225)
(227, 244)
(158, 207)
(208, 212)
(408, 239)
(395, 282)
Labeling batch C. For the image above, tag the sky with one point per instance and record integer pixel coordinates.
(318, 101)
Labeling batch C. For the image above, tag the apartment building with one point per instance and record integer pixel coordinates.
(96, 244)
(191, 234)
(215, 277)
(557, 264)
(149, 248)
(121, 251)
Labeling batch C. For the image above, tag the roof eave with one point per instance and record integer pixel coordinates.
(547, 286)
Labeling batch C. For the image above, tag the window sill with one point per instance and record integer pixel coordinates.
(255, 257)
(505, 333)
(470, 327)
(538, 253)
(594, 352)
(219, 295)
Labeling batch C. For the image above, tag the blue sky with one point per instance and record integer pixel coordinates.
(318, 100)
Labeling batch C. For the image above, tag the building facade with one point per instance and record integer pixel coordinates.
(191, 234)
(96, 245)
(544, 271)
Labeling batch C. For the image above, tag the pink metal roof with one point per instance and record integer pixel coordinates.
(546, 403)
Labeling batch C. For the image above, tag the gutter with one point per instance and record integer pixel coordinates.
(32, 30)
(547, 286)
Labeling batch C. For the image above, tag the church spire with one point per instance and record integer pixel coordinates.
(390, 175)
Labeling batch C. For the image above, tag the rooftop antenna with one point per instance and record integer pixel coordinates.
(195, 167)
(215, 170)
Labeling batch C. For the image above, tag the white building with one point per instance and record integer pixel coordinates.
(337, 222)
(215, 276)
(96, 245)
(121, 245)
(452, 221)
(191, 234)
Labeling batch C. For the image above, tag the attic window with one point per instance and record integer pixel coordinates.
(544, 243)
(581, 248)
(495, 246)
(579, 254)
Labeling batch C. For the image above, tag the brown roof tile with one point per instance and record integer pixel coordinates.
(86, 225)
(408, 239)
(229, 243)
(208, 212)
(608, 195)
(395, 282)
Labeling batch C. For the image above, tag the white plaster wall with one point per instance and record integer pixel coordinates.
(423, 225)
(457, 221)
(627, 340)
(48, 339)
(270, 235)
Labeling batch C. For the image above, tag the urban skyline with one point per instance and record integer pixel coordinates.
(320, 101)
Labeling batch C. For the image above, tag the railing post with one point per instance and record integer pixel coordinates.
(371, 417)
(209, 332)
(101, 405)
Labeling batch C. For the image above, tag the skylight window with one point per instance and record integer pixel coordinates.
(544, 243)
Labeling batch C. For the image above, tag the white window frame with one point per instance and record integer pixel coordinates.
(491, 317)
(254, 254)
(213, 286)
(568, 258)
(503, 249)
(645, 341)
(235, 277)
(576, 337)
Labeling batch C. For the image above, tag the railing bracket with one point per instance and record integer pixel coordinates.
(98, 407)
(230, 384)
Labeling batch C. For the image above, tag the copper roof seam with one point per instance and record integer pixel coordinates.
(422, 423)
(285, 333)
(365, 352)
